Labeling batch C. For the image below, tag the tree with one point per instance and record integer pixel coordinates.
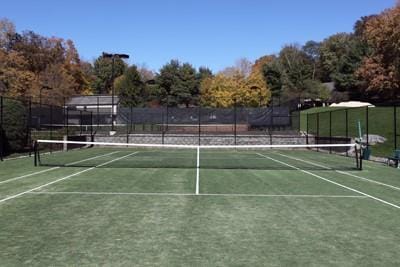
(341, 56)
(7, 31)
(296, 69)
(178, 84)
(312, 50)
(272, 73)
(62, 84)
(227, 90)
(17, 80)
(146, 74)
(380, 70)
(103, 73)
(131, 88)
(218, 91)
(242, 67)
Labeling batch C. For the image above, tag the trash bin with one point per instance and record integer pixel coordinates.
(366, 153)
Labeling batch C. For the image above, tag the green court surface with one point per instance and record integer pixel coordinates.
(172, 207)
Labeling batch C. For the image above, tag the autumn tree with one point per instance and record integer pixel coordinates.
(234, 88)
(380, 70)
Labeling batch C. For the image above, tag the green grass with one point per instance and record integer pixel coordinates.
(381, 122)
(272, 216)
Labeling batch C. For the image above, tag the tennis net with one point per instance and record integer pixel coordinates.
(263, 157)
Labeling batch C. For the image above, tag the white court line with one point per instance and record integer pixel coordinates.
(341, 172)
(51, 169)
(198, 172)
(190, 194)
(332, 182)
(64, 178)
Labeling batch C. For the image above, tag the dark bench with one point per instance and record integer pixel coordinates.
(395, 158)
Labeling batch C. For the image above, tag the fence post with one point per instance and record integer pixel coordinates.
(67, 122)
(395, 126)
(80, 122)
(127, 131)
(1, 130)
(51, 127)
(28, 126)
(131, 119)
(347, 129)
(199, 115)
(307, 127)
(235, 121)
(91, 126)
(317, 137)
(163, 126)
(63, 108)
(367, 124)
(98, 113)
(330, 131)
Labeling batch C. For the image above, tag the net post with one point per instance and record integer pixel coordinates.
(360, 157)
(35, 153)
(2, 137)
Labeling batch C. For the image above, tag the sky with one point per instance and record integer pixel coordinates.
(209, 33)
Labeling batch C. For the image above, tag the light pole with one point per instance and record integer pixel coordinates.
(113, 57)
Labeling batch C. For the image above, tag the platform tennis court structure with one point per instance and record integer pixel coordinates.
(192, 205)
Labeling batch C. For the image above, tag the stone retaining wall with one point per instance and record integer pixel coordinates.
(190, 139)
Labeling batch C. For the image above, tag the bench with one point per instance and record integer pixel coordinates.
(395, 158)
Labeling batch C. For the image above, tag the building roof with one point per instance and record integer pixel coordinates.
(92, 100)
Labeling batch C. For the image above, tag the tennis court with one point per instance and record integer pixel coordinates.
(188, 205)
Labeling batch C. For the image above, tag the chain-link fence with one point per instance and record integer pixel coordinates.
(22, 121)
(204, 122)
(377, 127)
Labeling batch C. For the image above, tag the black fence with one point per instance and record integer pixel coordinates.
(378, 127)
(183, 119)
(23, 120)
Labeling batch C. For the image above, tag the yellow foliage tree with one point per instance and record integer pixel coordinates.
(223, 91)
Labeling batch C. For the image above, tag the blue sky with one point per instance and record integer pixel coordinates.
(212, 33)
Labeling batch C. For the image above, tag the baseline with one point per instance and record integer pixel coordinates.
(65, 177)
